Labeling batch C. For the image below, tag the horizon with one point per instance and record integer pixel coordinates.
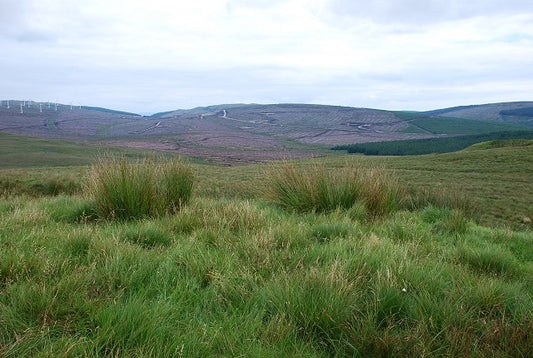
(147, 113)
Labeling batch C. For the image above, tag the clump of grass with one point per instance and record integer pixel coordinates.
(381, 192)
(54, 186)
(38, 183)
(317, 189)
(310, 189)
(145, 188)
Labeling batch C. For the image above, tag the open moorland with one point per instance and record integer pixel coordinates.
(250, 133)
(121, 252)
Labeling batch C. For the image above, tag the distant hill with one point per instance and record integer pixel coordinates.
(519, 113)
(109, 110)
(255, 132)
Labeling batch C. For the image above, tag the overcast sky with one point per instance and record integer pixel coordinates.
(149, 56)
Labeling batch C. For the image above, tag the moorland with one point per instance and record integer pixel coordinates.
(119, 251)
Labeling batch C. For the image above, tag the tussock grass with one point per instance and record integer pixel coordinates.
(311, 189)
(319, 189)
(148, 187)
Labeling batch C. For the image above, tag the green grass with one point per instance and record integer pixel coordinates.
(447, 273)
(312, 189)
(238, 277)
(27, 152)
(129, 190)
(497, 180)
(230, 274)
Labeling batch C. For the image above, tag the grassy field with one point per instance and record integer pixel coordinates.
(233, 274)
(27, 152)
(497, 178)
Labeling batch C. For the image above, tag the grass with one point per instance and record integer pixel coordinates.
(27, 152)
(495, 179)
(317, 189)
(149, 187)
(240, 277)
(231, 274)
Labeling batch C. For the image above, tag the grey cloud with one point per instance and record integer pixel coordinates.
(13, 16)
(425, 12)
(34, 36)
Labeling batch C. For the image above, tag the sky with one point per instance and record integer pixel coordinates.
(159, 55)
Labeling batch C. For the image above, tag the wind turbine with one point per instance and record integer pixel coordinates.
(21, 110)
(8, 104)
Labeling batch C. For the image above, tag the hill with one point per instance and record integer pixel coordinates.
(519, 113)
(244, 133)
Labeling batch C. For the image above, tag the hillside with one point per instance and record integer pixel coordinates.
(244, 133)
(520, 113)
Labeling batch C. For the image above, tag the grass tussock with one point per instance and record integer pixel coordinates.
(145, 188)
(318, 189)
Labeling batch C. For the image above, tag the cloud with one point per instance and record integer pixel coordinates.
(415, 12)
(212, 51)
